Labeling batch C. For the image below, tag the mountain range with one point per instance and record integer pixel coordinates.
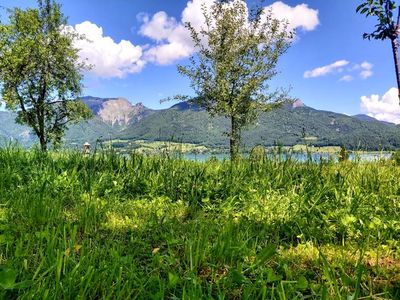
(119, 119)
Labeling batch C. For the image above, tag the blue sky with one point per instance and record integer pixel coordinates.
(141, 71)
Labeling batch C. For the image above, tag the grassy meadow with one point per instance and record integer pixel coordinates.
(115, 227)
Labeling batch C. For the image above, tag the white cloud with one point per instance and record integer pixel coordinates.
(108, 58)
(347, 78)
(366, 74)
(366, 68)
(324, 70)
(168, 53)
(300, 16)
(173, 41)
(385, 108)
(193, 12)
(366, 65)
(159, 27)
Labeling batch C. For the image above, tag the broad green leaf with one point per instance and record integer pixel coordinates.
(302, 283)
(7, 278)
(173, 279)
(23, 284)
(272, 276)
(237, 276)
(266, 254)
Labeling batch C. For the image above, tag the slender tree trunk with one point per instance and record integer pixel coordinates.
(395, 48)
(42, 135)
(43, 144)
(234, 139)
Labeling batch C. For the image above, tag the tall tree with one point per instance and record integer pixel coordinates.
(236, 54)
(40, 72)
(387, 27)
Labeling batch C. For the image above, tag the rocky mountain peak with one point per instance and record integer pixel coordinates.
(115, 111)
(298, 103)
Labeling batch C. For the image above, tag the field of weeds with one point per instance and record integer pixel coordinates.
(115, 227)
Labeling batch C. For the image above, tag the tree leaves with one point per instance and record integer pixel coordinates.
(383, 10)
(237, 55)
(40, 72)
(387, 28)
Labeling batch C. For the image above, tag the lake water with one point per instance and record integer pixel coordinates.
(302, 157)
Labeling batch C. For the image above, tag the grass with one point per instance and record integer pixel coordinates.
(114, 227)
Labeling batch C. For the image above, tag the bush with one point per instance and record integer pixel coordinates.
(343, 154)
(258, 153)
(396, 157)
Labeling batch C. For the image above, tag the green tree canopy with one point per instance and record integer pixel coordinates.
(237, 53)
(40, 72)
(387, 28)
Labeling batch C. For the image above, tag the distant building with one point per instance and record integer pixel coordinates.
(86, 148)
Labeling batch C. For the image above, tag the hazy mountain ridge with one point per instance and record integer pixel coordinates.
(10, 131)
(294, 123)
(364, 117)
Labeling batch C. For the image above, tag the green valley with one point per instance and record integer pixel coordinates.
(184, 123)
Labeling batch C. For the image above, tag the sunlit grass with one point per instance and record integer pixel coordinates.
(111, 227)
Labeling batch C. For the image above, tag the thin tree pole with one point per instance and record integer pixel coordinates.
(395, 49)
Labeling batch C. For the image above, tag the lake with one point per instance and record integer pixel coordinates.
(302, 157)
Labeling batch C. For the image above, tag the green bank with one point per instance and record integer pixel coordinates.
(110, 227)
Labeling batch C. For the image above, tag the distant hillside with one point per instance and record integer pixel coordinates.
(369, 119)
(12, 132)
(289, 125)
(117, 118)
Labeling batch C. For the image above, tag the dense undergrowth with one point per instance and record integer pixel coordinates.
(112, 227)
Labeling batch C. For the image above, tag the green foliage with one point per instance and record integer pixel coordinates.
(384, 11)
(258, 153)
(109, 227)
(387, 27)
(40, 71)
(343, 154)
(237, 55)
(396, 157)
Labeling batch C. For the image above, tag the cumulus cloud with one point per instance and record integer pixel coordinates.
(170, 40)
(385, 108)
(299, 16)
(324, 70)
(173, 41)
(159, 27)
(107, 57)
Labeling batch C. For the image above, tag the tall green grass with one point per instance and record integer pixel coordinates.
(114, 227)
